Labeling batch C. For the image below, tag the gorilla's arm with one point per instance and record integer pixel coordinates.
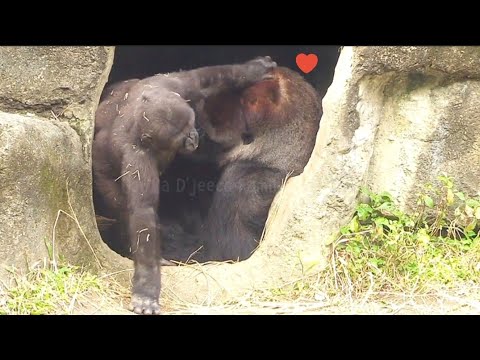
(141, 187)
(207, 81)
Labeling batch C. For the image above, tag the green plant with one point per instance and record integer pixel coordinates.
(45, 290)
(384, 249)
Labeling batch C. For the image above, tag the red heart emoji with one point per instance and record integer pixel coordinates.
(307, 63)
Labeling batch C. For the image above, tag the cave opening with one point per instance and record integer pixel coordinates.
(187, 186)
(142, 61)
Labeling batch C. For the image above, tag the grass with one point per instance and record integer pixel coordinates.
(383, 249)
(384, 260)
(52, 288)
(63, 289)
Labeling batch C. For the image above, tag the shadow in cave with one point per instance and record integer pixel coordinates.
(188, 184)
(142, 61)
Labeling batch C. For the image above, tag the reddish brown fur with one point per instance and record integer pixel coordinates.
(281, 117)
(140, 126)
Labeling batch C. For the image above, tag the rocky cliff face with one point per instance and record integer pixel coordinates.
(48, 97)
(394, 119)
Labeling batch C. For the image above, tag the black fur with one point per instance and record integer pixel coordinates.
(140, 127)
(263, 134)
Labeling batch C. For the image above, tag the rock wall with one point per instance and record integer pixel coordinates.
(48, 97)
(394, 118)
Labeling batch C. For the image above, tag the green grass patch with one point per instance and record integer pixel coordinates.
(52, 289)
(383, 249)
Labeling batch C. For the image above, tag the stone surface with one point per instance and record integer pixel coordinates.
(394, 118)
(63, 82)
(48, 97)
(430, 125)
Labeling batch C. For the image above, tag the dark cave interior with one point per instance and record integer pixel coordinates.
(143, 61)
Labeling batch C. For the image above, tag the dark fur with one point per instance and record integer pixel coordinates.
(140, 126)
(265, 132)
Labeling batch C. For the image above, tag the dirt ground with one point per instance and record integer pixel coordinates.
(460, 300)
(113, 297)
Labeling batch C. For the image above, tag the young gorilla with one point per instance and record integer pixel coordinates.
(266, 131)
(139, 129)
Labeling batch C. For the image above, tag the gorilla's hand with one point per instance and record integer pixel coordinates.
(259, 69)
